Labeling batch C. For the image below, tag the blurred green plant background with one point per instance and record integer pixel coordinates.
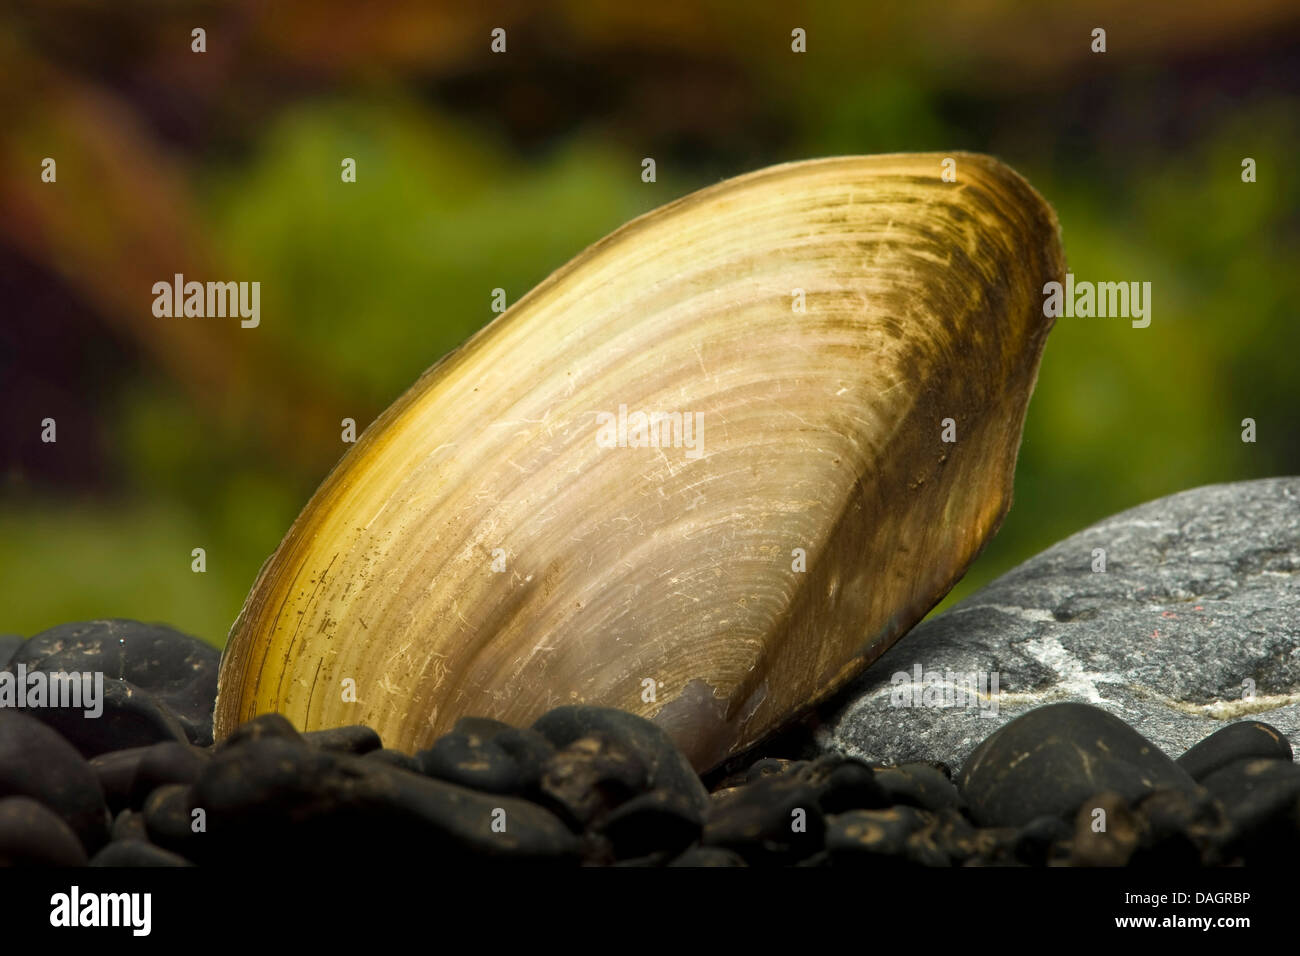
(478, 171)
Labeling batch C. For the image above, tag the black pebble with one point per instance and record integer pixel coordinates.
(395, 758)
(260, 727)
(964, 844)
(1179, 829)
(774, 819)
(590, 777)
(917, 785)
(166, 763)
(32, 835)
(658, 821)
(352, 739)
(115, 771)
(659, 859)
(709, 856)
(159, 684)
(667, 767)
(130, 718)
(1261, 801)
(170, 823)
(852, 785)
(136, 853)
(273, 795)
(1248, 738)
(1034, 842)
(129, 776)
(874, 837)
(1107, 832)
(927, 846)
(1051, 759)
(129, 825)
(471, 762)
(490, 756)
(771, 766)
(36, 762)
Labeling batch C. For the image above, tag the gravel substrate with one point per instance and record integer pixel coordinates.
(143, 785)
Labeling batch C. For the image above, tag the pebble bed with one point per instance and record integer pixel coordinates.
(144, 785)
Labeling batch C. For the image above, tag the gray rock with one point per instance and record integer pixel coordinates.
(1200, 597)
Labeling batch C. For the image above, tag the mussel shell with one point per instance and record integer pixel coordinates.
(666, 580)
